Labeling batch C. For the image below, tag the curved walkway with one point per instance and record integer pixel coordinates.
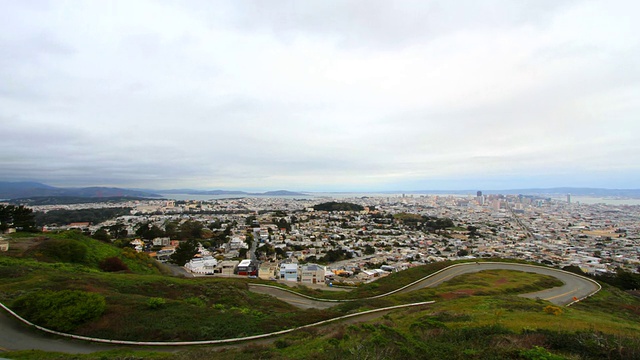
(16, 336)
(575, 287)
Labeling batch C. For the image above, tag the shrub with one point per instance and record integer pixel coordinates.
(539, 353)
(64, 250)
(156, 303)
(196, 301)
(553, 310)
(281, 344)
(60, 310)
(113, 264)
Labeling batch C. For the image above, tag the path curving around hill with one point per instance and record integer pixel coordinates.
(575, 287)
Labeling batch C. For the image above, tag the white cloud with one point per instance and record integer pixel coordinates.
(319, 95)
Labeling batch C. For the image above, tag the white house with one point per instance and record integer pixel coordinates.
(204, 265)
(289, 272)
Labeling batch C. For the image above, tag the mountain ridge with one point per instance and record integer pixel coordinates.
(28, 189)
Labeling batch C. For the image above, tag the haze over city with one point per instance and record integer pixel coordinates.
(320, 95)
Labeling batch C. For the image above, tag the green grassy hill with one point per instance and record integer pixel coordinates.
(475, 316)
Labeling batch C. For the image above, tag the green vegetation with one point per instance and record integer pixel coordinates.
(184, 252)
(73, 247)
(60, 310)
(337, 206)
(62, 250)
(18, 217)
(94, 216)
(140, 304)
(423, 222)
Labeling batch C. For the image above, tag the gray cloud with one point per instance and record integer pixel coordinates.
(320, 95)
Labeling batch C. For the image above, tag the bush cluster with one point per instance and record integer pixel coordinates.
(60, 310)
(64, 250)
(113, 264)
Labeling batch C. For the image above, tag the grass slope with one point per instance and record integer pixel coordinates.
(476, 316)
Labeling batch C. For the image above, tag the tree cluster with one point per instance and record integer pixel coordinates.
(337, 206)
(423, 222)
(18, 217)
(185, 252)
(93, 216)
(335, 255)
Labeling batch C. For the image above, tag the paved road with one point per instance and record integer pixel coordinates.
(575, 287)
(291, 298)
(17, 336)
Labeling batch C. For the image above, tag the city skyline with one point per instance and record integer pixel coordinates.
(321, 96)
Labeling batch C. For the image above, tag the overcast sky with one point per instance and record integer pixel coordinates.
(321, 95)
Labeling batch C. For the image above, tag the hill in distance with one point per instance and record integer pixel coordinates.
(27, 189)
(230, 192)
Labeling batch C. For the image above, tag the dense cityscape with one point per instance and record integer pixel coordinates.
(283, 238)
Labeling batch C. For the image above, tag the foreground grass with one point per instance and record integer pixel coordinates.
(150, 307)
(476, 316)
(144, 305)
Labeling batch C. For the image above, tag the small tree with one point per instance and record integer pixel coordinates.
(184, 252)
(369, 250)
(102, 234)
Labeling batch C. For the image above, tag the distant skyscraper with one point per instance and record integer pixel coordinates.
(479, 193)
(480, 198)
(568, 198)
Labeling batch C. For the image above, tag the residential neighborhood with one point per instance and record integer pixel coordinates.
(289, 240)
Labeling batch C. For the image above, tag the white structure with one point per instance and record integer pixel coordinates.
(289, 272)
(204, 265)
(237, 243)
(165, 241)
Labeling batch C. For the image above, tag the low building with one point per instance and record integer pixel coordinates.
(204, 265)
(164, 254)
(289, 272)
(165, 241)
(227, 267)
(267, 270)
(247, 267)
(312, 274)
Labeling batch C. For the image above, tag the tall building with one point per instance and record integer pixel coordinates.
(568, 198)
(480, 198)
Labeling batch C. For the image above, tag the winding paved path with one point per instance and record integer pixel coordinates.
(16, 336)
(575, 287)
